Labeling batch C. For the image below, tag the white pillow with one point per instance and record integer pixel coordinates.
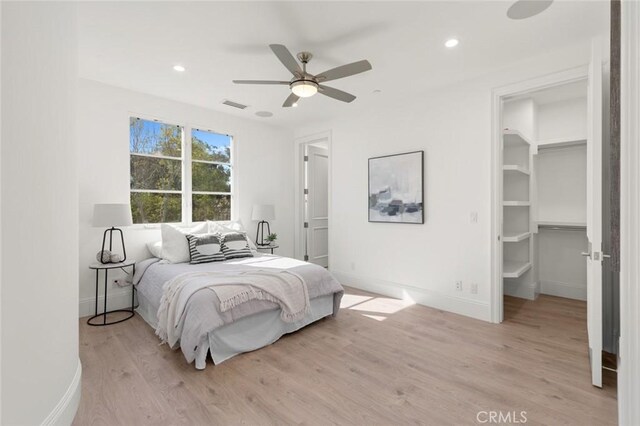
(175, 247)
(155, 248)
(226, 226)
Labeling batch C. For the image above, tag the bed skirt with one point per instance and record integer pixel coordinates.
(246, 334)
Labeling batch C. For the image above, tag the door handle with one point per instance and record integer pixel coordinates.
(606, 256)
(586, 254)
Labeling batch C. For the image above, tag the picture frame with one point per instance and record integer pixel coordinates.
(396, 188)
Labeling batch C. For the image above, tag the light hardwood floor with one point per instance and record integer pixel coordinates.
(379, 362)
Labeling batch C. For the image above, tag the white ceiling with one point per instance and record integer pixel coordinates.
(135, 45)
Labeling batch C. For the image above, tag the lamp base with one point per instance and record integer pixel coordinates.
(260, 233)
(104, 240)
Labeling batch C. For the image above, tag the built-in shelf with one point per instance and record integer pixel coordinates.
(562, 225)
(561, 143)
(514, 269)
(516, 203)
(515, 237)
(514, 137)
(515, 169)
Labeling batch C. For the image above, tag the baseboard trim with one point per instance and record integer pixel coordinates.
(64, 412)
(115, 300)
(560, 289)
(430, 298)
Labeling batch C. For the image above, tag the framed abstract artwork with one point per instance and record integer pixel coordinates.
(396, 188)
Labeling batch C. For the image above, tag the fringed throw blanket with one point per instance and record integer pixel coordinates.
(233, 288)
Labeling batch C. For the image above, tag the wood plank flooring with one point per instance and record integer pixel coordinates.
(381, 361)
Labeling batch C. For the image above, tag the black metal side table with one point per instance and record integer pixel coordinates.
(268, 247)
(106, 267)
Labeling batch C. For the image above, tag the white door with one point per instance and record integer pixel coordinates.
(317, 206)
(594, 215)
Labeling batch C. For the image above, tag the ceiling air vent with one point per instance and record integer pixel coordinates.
(233, 104)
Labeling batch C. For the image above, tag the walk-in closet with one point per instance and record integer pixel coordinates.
(545, 192)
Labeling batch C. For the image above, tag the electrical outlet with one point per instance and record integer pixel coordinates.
(120, 282)
(458, 285)
(474, 288)
(473, 217)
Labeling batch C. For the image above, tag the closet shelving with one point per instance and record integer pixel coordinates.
(515, 268)
(516, 203)
(515, 237)
(560, 225)
(562, 142)
(514, 137)
(515, 169)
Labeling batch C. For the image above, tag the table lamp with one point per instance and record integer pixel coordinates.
(262, 213)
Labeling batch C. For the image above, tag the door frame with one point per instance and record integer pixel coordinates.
(300, 144)
(497, 95)
(629, 351)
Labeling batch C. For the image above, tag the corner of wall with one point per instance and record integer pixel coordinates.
(64, 412)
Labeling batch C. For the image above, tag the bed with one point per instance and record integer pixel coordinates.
(247, 326)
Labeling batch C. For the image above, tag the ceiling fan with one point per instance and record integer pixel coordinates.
(303, 84)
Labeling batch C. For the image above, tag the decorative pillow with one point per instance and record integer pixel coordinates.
(205, 248)
(175, 248)
(235, 245)
(226, 226)
(155, 248)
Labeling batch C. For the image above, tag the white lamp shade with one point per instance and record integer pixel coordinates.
(263, 212)
(112, 215)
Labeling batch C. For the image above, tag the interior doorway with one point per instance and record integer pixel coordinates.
(548, 195)
(313, 198)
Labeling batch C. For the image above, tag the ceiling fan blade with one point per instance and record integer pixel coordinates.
(260, 82)
(292, 99)
(344, 71)
(335, 93)
(286, 58)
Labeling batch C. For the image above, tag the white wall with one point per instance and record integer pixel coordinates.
(562, 184)
(562, 271)
(39, 210)
(563, 119)
(263, 170)
(453, 126)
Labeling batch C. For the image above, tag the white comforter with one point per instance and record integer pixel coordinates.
(288, 290)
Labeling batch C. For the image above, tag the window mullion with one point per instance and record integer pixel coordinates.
(187, 177)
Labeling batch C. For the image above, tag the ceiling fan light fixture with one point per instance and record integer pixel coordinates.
(304, 88)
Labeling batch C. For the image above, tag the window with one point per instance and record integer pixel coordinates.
(178, 174)
(210, 176)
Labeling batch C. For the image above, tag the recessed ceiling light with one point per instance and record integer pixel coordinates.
(179, 68)
(264, 114)
(377, 91)
(452, 42)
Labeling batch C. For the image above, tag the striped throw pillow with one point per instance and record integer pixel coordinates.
(205, 248)
(235, 245)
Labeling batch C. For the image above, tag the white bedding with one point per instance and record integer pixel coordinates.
(205, 326)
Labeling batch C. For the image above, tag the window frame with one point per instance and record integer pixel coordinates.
(187, 191)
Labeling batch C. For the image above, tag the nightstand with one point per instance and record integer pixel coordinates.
(106, 267)
(268, 247)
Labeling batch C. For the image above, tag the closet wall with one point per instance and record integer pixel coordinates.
(555, 122)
